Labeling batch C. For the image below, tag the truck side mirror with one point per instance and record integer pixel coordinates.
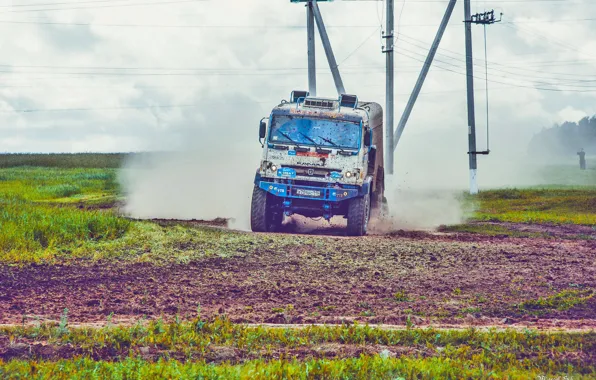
(262, 129)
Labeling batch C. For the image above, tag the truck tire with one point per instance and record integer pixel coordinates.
(264, 217)
(358, 215)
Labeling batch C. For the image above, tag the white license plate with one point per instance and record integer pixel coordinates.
(308, 193)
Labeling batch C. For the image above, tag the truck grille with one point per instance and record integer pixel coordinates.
(311, 172)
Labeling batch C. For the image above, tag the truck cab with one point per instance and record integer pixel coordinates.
(321, 158)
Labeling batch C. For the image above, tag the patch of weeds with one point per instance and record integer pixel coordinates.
(401, 296)
(562, 301)
(327, 308)
(457, 291)
(367, 313)
(470, 310)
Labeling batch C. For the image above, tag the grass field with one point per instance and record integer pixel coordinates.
(63, 160)
(171, 297)
(184, 349)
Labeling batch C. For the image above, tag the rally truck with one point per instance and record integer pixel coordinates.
(321, 158)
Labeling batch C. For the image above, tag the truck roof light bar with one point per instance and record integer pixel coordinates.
(296, 95)
(319, 103)
(346, 100)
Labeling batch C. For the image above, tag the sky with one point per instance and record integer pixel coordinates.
(138, 75)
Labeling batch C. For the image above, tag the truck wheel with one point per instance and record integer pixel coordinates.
(358, 215)
(264, 216)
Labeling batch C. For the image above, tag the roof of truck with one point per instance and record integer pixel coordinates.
(327, 107)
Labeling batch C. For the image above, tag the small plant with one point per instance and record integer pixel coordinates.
(63, 325)
(401, 296)
(409, 323)
(457, 291)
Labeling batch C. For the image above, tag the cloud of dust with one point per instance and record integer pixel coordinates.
(431, 174)
(211, 174)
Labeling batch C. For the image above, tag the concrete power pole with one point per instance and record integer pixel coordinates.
(312, 66)
(470, 89)
(389, 87)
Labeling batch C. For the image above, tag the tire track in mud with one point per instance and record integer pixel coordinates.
(458, 280)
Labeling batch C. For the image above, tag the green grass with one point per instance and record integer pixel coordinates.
(63, 160)
(364, 367)
(430, 353)
(564, 300)
(39, 217)
(552, 206)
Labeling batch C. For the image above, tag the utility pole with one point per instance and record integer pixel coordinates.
(485, 18)
(470, 90)
(389, 87)
(312, 65)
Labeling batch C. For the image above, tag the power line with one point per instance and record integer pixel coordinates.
(359, 46)
(538, 83)
(65, 3)
(103, 6)
(478, 1)
(510, 84)
(264, 26)
(583, 77)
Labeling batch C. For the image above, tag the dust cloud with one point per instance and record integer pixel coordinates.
(210, 174)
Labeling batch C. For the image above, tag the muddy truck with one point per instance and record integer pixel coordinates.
(321, 158)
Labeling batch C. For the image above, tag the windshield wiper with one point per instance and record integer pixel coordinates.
(317, 146)
(332, 143)
(288, 137)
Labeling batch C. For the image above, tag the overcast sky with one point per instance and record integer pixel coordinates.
(107, 75)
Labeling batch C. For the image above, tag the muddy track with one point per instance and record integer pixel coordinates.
(450, 279)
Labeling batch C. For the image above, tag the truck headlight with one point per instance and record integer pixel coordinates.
(273, 167)
(349, 174)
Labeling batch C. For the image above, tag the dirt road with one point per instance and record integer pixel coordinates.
(448, 279)
(461, 279)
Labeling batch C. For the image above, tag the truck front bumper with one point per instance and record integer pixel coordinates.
(328, 194)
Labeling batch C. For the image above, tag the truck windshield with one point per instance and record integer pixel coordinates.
(315, 132)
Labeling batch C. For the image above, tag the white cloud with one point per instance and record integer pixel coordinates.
(232, 61)
(570, 113)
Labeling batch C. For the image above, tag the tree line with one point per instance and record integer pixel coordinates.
(566, 138)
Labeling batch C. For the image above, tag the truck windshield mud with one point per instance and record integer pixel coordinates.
(315, 132)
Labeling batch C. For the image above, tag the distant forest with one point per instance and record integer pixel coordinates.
(567, 138)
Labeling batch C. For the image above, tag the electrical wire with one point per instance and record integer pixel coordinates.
(359, 46)
(103, 6)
